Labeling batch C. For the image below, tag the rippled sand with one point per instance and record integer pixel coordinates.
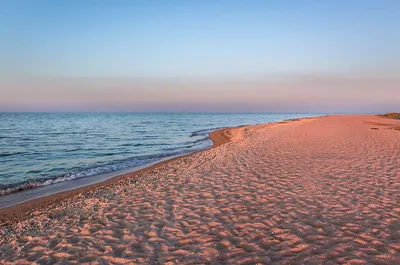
(312, 191)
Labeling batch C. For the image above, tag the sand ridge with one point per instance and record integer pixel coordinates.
(311, 191)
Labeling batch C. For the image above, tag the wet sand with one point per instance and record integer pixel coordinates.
(311, 191)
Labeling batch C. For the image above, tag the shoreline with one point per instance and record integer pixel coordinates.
(315, 190)
(23, 210)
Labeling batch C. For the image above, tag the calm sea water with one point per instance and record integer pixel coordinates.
(40, 149)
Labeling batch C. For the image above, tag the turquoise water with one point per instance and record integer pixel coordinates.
(40, 149)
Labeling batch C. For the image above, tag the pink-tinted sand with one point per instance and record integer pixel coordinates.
(313, 191)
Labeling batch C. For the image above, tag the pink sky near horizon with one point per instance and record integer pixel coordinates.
(273, 94)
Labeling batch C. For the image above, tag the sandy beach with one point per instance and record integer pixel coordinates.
(320, 190)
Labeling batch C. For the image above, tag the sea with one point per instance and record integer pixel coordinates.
(45, 153)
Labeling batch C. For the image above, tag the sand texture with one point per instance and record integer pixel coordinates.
(311, 191)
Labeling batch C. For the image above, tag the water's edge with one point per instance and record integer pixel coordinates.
(29, 194)
(112, 168)
(18, 197)
(32, 193)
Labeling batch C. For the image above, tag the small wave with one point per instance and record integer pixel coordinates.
(144, 144)
(65, 133)
(10, 154)
(27, 139)
(193, 143)
(51, 180)
(201, 140)
(34, 171)
(85, 172)
(74, 150)
(101, 169)
(203, 132)
(21, 187)
(146, 122)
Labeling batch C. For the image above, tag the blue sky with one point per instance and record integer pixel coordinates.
(208, 40)
(199, 38)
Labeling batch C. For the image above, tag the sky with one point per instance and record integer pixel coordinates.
(176, 55)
